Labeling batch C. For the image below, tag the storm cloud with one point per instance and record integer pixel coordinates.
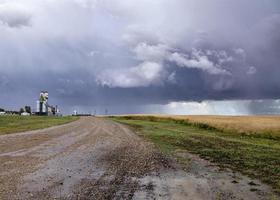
(106, 53)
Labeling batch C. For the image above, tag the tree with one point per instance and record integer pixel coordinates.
(27, 109)
(2, 110)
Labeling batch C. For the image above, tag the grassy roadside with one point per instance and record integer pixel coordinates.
(257, 157)
(14, 124)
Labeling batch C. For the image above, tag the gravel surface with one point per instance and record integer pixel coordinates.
(94, 158)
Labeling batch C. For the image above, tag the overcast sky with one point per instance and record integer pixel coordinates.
(142, 56)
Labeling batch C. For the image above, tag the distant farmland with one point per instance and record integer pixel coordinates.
(14, 124)
(268, 126)
(246, 124)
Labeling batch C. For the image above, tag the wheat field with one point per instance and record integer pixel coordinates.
(240, 124)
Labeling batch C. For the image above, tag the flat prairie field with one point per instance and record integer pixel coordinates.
(14, 124)
(249, 144)
(261, 125)
(239, 123)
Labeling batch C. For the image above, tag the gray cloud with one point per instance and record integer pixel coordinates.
(106, 53)
(14, 16)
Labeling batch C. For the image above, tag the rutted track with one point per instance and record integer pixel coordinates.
(98, 159)
(73, 161)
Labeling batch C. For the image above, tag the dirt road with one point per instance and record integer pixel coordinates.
(95, 158)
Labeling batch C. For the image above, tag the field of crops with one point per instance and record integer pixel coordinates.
(251, 124)
(263, 126)
(250, 145)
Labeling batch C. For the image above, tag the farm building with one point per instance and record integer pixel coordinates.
(43, 107)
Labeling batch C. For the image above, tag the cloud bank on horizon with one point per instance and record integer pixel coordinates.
(139, 52)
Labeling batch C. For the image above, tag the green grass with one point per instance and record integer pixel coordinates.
(14, 124)
(257, 157)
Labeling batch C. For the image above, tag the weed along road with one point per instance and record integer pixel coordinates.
(95, 158)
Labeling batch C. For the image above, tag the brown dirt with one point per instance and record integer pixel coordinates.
(95, 158)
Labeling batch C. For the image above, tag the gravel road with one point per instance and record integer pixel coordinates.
(94, 158)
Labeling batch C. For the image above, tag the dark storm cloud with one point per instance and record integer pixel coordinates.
(260, 107)
(90, 53)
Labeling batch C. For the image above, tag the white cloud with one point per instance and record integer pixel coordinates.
(197, 60)
(143, 75)
(14, 15)
(146, 52)
(188, 108)
(230, 107)
(153, 69)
